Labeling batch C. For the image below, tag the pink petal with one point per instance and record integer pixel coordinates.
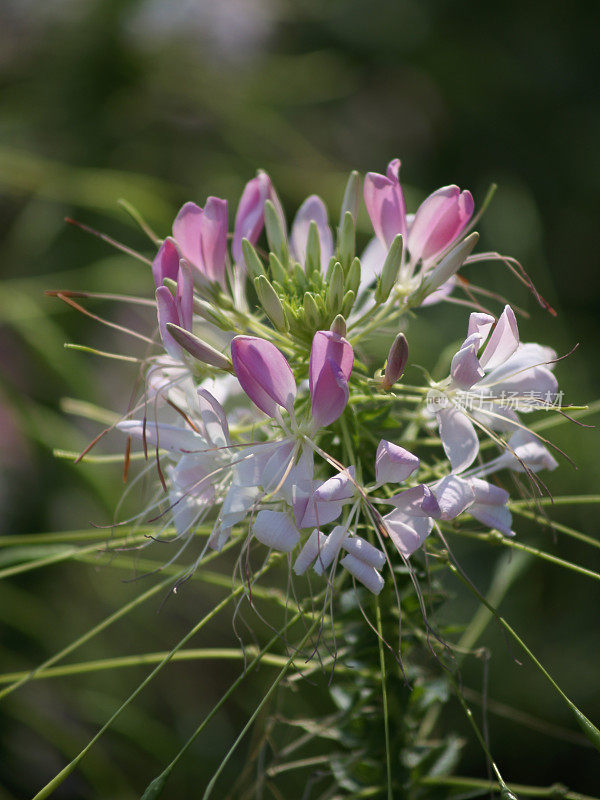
(250, 215)
(465, 368)
(185, 296)
(327, 345)
(498, 517)
(312, 209)
(503, 342)
(330, 367)
(276, 530)
(167, 437)
(459, 438)
(385, 203)
(213, 418)
(439, 220)
(365, 551)
(365, 573)
(481, 324)
(187, 232)
(213, 226)
(453, 495)
(394, 464)
(340, 487)
(488, 493)
(166, 262)
(167, 312)
(407, 533)
(418, 501)
(264, 373)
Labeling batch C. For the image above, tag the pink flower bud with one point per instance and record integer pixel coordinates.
(396, 361)
(385, 203)
(439, 220)
(202, 237)
(264, 373)
(312, 209)
(331, 360)
(250, 215)
(166, 262)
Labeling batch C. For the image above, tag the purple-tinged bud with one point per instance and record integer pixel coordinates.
(396, 362)
(198, 349)
(264, 373)
(330, 366)
(166, 262)
(250, 215)
(439, 221)
(385, 203)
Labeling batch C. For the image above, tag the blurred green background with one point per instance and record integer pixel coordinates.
(161, 102)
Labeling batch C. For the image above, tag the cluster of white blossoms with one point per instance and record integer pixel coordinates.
(266, 419)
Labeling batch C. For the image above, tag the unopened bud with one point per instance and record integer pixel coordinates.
(339, 326)
(348, 303)
(351, 197)
(447, 267)
(346, 241)
(210, 314)
(396, 362)
(389, 273)
(277, 271)
(311, 311)
(198, 349)
(335, 289)
(253, 262)
(276, 235)
(353, 278)
(312, 262)
(270, 302)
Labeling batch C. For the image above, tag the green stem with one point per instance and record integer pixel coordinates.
(556, 791)
(534, 551)
(386, 721)
(589, 729)
(257, 710)
(58, 779)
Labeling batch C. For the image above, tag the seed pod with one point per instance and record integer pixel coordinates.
(200, 350)
(270, 302)
(396, 362)
(389, 273)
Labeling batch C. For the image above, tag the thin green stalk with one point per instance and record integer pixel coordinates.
(66, 554)
(58, 779)
(588, 728)
(156, 786)
(558, 526)
(257, 710)
(386, 721)
(534, 551)
(555, 791)
(508, 570)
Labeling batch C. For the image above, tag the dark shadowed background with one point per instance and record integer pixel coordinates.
(161, 102)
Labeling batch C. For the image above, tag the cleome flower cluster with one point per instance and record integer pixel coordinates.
(268, 418)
